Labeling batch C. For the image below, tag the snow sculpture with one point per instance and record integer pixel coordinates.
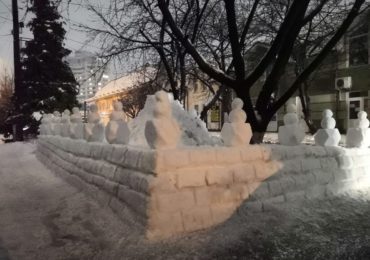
(65, 123)
(291, 133)
(55, 123)
(162, 132)
(45, 127)
(236, 132)
(328, 135)
(94, 129)
(117, 132)
(359, 136)
(193, 130)
(76, 127)
(193, 113)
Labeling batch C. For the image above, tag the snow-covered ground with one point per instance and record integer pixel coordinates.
(43, 217)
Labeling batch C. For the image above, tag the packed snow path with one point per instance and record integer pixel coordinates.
(43, 217)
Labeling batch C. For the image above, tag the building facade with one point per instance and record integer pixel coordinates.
(87, 69)
(115, 90)
(342, 83)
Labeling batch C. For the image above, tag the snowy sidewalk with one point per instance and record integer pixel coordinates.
(43, 217)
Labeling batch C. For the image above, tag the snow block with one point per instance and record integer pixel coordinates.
(171, 191)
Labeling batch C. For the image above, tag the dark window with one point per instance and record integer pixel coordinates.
(358, 45)
(358, 51)
(354, 108)
(355, 94)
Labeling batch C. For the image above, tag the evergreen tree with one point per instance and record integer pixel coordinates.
(47, 79)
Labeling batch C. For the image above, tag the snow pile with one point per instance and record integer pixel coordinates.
(194, 131)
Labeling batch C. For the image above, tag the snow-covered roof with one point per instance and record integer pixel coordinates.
(117, 86)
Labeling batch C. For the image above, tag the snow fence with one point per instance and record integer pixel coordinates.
(169, 192)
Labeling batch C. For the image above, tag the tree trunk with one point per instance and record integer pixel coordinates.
(226, 103)
(258, 125)
(305, 101)
(259, 131)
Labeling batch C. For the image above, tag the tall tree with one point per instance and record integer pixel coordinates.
(272, 66)
(47, 79)
(308, 43)
(132, 28)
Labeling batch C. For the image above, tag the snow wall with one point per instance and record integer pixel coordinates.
(168, 192)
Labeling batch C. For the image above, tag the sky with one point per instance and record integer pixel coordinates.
(76, 13)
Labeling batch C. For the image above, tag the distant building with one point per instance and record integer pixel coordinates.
(86, 68)
(114, 90)
(342, 82)
(197, 95)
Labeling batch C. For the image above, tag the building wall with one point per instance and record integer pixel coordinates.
(341, 62)
(198, 96)
(105, 106)
(174, 191)
(84, 66)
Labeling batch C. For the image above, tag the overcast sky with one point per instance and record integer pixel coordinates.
(75, 14)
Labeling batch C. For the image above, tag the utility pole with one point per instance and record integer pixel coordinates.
(17, 126)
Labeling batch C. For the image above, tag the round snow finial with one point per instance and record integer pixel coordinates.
(66, 112)
(327, 122)
(117, 106)
(162, 106)
(327, 113)
(237, 116)
(75, 110)
(237, 104)
(291, 108)
(362, 115)
(161, 96)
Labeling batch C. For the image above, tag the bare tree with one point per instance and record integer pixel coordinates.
(295, 17)
(135, 98)
(308, 43)
(133, 30)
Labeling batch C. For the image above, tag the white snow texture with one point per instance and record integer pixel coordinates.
(193, 130)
